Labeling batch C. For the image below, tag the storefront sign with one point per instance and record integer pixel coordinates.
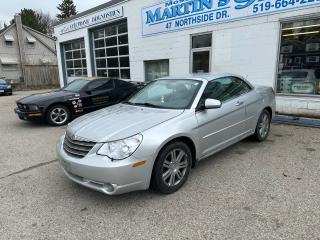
(100, 17)
(173, 15)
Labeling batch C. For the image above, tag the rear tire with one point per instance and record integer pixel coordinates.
(263, 126)
(172, 168)
(58, 115)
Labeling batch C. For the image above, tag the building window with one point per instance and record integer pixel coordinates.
(9, 67)
(9, 64)
(156, 69)
(9, 44)
(201, 53)
(75, 58)
(299, 60)
(111, 51)
(31, 45)
(31, 42)
(9, 39)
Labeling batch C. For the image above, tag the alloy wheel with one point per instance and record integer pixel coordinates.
(174, 167)
(264, 125)
(59, 116)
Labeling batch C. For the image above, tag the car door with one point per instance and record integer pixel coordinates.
(221, 127)
(252, 101)
(99, 94)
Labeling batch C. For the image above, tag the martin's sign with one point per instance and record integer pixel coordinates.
(173, 15)
(90, 20)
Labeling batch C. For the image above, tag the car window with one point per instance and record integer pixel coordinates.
(76, 85)
(245, 87)
(226, 88)
(167, 93)
(97, 85)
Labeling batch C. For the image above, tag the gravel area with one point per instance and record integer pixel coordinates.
(249, 191)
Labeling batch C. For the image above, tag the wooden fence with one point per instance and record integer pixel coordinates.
(43, 75)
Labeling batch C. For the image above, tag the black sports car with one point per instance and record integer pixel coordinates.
(5, 87)
(79, 97)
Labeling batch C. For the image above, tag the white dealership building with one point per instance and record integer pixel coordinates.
(270, 42)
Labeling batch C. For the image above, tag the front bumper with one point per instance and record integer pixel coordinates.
(104, 175)
(6, 91)
(26, 115)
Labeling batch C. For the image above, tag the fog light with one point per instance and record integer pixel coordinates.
(108, 187)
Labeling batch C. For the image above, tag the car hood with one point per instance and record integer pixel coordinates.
(48, 96)
(118, 122)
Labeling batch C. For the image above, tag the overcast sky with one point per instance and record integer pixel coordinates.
(10, 7)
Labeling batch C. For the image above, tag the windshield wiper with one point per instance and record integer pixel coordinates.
(142, 104)
(147, 105)
(127, 102)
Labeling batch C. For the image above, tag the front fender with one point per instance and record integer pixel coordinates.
(156, 138)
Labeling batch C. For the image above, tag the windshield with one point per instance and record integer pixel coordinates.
(76, 85)
(3, 82)
(292, 75)
(172, 94)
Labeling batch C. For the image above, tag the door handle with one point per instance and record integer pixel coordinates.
(239, 103)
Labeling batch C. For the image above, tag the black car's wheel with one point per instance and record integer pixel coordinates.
(58, 115)
(172, 168)
(263, 126)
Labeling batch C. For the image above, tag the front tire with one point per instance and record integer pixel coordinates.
(172, 168)
(58, 115)
(263, 126)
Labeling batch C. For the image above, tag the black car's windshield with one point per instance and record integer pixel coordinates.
(171, 93)
(76, 85)
(3, 82)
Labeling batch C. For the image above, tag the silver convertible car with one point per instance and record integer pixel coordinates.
(161, 132)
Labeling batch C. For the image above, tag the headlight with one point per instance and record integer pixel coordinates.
(33, 108)
(9, 87)
(121, 149)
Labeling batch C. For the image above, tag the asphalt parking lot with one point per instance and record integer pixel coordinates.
(249, 191)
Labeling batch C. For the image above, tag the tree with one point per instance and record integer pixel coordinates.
(33, 20)
(37, 20)
(47, 21)
(67, 9)
(3, 25)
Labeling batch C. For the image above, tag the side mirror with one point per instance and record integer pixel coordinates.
(212, 104)
(89, 92)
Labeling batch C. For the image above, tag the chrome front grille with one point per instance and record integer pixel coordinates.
(75, 148)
